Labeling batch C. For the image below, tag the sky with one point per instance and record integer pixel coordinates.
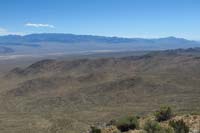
(123, 18)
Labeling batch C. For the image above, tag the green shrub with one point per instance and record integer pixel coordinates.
(127, 123)
(154, 127)
(179, 126)
(95, 130)
(169, 130)
(165, 113)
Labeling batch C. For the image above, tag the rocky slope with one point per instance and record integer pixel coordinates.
(70, 95)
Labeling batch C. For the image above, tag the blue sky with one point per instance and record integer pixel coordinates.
(126, 18)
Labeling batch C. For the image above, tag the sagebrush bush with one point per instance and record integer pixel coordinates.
(127, 123)
(154, 127)
(169, 130)
(112, 122)
(179, 126)
(95, 130)
(165, 113)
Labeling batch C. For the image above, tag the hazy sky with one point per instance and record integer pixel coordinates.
(126, 18)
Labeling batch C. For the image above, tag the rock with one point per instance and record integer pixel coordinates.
(110, 129)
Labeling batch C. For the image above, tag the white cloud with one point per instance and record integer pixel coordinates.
(39, 25)
(4, 31)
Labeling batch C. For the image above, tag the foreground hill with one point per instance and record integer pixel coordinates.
(70, 95)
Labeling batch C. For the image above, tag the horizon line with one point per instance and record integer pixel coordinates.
(125, 37)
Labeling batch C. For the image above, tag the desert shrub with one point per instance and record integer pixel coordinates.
(168, 130)
(154, 127)
(95, 130)
(165, 113)
(112, 122)
(179, 126)
(127, 123)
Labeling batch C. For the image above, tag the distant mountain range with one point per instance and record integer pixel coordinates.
(70, 43)
(71, 38)
(5, 50)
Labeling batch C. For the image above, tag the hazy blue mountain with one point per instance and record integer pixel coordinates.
(71, 38)
(5, 50)
(70, 43)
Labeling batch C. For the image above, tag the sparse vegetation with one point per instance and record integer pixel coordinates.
(152, 127)
(165, 113)
(95, 129)
(168, 130)
(87, 91)
(127, 123)
(179, 126)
